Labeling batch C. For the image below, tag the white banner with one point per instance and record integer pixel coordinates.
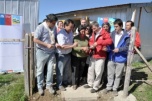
(11, 53)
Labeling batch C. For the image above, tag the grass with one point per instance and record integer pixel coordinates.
(12, 87)
(142, 90)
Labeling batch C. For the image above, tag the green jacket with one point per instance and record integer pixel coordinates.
(77, 51)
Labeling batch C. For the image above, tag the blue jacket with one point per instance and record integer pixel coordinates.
(123, 46)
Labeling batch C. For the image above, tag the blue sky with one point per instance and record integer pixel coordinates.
(58, 6)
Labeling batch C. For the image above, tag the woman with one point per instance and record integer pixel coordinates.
(88, 33)
(107, 27)
(79, 56)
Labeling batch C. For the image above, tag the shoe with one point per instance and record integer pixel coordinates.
(115, 93)
(50, 88)
(62, 88)
(41, 92)
(87, 86)
(105, 91)
(74, 87)
(93, 91)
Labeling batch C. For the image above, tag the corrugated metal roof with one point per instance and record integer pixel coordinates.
(115, 6)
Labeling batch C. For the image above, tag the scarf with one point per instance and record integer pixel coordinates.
(52, 37)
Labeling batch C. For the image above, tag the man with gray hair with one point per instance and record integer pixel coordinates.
(99, 40)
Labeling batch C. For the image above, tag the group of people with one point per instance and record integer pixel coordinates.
(81, 55)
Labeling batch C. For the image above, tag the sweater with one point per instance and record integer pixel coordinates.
(77, 51)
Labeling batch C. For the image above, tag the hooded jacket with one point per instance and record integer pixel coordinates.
(123, 46)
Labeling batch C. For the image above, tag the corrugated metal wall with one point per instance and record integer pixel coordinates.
(124, 14)
(29, 9)
(145, 30)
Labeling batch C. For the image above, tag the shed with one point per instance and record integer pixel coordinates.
(143, 19)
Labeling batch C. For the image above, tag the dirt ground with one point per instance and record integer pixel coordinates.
(57, 97)
(46, 97)
(140, 72)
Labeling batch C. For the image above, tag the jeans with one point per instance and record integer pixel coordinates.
(78, 65)
(63, 69)
(43, 58)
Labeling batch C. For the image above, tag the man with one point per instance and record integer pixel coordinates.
(64, 48)
(45, 41)
(129, 25)
(59, 26)
(117, 56)
(82, 22)
(99, 39)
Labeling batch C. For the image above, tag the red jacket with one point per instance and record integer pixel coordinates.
(137, 40)
(102, 40)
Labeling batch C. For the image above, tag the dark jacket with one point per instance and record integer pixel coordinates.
(123, 46)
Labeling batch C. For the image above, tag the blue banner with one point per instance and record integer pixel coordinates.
(109, 20)
(2, 19)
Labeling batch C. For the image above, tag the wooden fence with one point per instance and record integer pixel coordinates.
(29, 64)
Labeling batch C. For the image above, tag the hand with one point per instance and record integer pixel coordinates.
(85, 49)
(92, 47)
(104, 49)
(50, 46)
(116, 50)
(75, 44)
(95, 44)
(62, 46)
(57, 45)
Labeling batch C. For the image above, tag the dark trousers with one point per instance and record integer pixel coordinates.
(85, 72)
(104, 77)
(78, 65)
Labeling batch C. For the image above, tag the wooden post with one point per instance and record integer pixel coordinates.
(133, 15)
(139, 18)
(33, 57)
(142, 57)
(129, 60)
(26, 66)
(31, 63)
(34, 52)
